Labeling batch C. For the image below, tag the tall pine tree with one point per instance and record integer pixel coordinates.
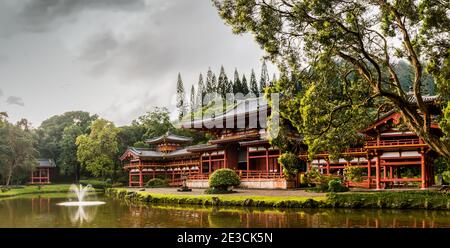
(222, 83)
(244, 86)
(237, 86)
(192, 102)
(181, 99)
(264, 79)
(210, 84)
(201, 91)
(253, 84)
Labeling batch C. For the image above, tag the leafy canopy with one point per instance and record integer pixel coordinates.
(339, 61)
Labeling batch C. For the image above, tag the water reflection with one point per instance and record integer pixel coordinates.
(81, 215)
(44, 212)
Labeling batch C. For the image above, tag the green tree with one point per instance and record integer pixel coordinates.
(155, 123)
(211, 86)
(245, 89)
(222, 83)
(344, 55)
(181, 98)
(192, 102)
(97, 152)
(17, 151)
(264, 79)
(201, 92)
(68, 162)
(51, 143)
(237, 86)
(253, 84)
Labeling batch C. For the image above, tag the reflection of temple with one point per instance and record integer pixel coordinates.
(40, 205)
(41, 173)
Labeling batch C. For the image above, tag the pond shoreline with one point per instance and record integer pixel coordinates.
(35, 190)
(374, 200)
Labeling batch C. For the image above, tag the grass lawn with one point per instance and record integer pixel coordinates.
(55, 188)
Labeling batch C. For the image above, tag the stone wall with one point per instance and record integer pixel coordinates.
(276, 183)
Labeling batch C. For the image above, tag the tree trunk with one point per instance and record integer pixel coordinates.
(8, 178)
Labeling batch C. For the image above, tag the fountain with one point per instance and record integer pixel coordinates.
(80, 192)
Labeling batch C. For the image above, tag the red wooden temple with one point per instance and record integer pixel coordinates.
(386, 152)
(240, 142)
(169, 160)
(41, 173)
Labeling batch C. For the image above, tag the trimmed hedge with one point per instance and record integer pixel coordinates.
(380, 200)
(157, 183)
(221, 179)
(144, 197)
(393, 200)
(96, 184)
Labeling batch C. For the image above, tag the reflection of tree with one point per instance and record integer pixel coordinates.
(217, 218)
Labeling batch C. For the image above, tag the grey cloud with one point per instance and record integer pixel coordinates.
(98, 46)
(3, 58)
(15, 100)
(1, 93)
(40, 15)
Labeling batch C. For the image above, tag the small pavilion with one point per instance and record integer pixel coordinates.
(41, 173)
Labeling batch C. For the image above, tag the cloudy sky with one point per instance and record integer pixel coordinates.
(111, 57)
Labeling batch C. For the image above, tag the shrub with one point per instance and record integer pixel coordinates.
(97, 184)
(117, 185)
(157, 183)
(354, 173)
(335, 185)
(446, 176)
(291, 164)
(222, 179)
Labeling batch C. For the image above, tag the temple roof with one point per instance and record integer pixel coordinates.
(204, 147)
(170, 138)
(148, 153)
(250, 106)
(45, 163)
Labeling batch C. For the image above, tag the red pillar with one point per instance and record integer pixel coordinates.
(422, 169)
(141, 179)
(267, 160)
(328, 167)
(377, 171)
(209, 163)
(369, 171)
(201, 164)
(384, 172)
(248, 160)
(390, 172)
(40, 176)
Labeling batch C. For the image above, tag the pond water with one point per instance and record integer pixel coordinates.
(43, 211)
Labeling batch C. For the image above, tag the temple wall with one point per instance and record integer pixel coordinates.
(276, 183)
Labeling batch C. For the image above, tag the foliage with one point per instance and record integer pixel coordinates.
(57, 136)
(354, 173)
(56, 188)
(446, 176)
(316, 179)
(291, 164)
(97, 151)
(17, 152)
(96, 184)
(335, 185)
(157, 183)
(181, 98)
(344, 56)
(222, 179)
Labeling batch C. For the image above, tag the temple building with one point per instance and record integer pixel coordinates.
(169, 159)
(387, 153)
(241, 142)
(41, 173)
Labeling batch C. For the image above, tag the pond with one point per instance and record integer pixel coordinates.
(44, 211)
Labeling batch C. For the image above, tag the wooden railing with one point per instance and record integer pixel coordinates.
(401, 142)
(199, 177)
(256, 174)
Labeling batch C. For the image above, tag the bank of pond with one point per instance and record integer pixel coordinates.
(375, 200)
